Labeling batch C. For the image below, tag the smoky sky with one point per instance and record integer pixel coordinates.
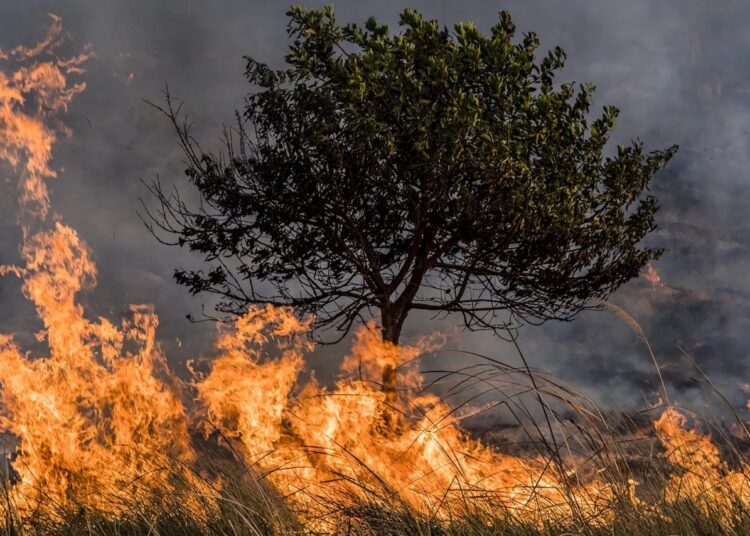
(679, 70)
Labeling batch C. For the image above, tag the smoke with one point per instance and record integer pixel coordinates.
(677, 69)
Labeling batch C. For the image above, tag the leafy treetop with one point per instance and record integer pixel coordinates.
(430, 170)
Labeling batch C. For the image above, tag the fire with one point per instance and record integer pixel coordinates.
(322, 445)
(246, 398)
(92, 417)
(700, 473)
(96, 419)
(100, 421)
(29, 95)
(653, 276)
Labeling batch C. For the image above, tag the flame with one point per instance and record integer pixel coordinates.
(93, 416)
(245, 398)
(95, 419)
(699, 473)
(28, 96)
(323, 446)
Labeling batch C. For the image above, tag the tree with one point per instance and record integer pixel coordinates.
(431, 170)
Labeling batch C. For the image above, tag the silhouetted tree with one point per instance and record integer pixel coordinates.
(430, 170)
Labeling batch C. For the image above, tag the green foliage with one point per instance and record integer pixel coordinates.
(430, 169)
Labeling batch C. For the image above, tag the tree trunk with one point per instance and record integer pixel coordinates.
(391, 332)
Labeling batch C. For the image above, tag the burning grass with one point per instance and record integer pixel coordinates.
(102, 438)
(593, 476)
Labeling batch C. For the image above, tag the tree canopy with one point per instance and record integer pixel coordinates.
(430, 169)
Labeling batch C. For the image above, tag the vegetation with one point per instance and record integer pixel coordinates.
(435, 170)
(248, 505)
(372, 520)
(666, 478)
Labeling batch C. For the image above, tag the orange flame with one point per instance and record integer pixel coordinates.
(329, 445)
(653, 276)
(28, 96)
(94, 416)
(700, 473)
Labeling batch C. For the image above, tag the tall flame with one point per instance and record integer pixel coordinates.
(700, 473)
(94, 416)
(324, 445)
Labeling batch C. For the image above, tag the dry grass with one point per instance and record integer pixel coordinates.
(555, 423)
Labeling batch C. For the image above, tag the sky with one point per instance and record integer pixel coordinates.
(679, 70)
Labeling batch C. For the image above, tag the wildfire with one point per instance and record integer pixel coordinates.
(323, 445)
(29, 95)
(101, 419)
(701, 475)
(93, 416)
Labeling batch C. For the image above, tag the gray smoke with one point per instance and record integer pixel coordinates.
(678, 69)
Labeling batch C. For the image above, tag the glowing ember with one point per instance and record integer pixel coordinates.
(700, 473)
(653, 276)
